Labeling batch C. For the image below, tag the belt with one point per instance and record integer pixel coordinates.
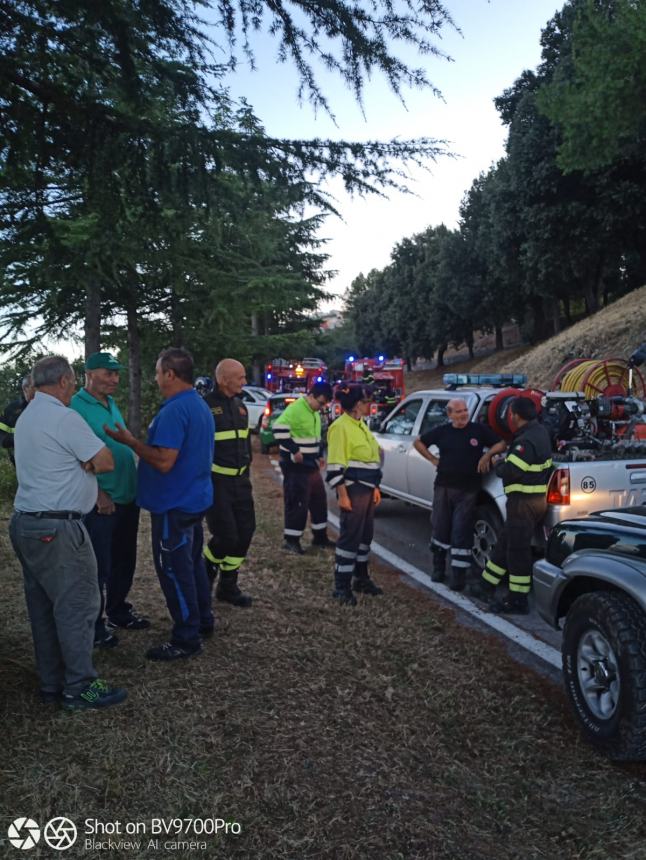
(52, 515)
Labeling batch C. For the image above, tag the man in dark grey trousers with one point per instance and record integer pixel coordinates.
(57, 459)
(462, 459)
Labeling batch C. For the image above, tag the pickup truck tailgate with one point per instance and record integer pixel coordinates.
(599, 485)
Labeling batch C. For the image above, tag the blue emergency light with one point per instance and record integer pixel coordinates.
(380, 357)
(269, 376)
(350, 358)
(515, 380)
(319, 379)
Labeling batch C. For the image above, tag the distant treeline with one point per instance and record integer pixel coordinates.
(557, 227)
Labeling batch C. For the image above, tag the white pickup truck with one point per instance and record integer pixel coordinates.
(611, 477)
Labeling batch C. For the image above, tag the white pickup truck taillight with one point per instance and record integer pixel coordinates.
(558, 489)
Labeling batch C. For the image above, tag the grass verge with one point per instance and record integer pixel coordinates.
(388, 731)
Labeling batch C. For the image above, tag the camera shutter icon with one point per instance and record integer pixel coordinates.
(23, 833)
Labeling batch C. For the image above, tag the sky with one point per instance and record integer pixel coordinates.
(499, 39)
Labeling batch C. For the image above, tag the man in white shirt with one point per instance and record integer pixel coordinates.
(57, 460)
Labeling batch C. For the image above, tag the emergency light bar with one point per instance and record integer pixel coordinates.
(499, 380)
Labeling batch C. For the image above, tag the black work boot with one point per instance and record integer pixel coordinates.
(228, 591)
(439, 564)
(212, 571)
(362, 583)
(320, 539)
(513, 604)
(457, 578)
(483, 590)
(343, 590)
(293, 545)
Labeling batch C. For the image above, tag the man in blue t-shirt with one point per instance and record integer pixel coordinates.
(462, 459)
(174, 484)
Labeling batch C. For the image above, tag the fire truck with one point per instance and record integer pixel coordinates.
(385, 375)
(285, 375)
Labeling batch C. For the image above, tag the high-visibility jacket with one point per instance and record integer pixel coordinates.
(353, 453)
(298, 430)
(528, 465)
(232, 450)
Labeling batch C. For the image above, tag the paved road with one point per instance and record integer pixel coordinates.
(404, 529)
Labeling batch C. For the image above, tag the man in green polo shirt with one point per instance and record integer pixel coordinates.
(114, 521)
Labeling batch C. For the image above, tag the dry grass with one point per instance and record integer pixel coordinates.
(421, 379)
(389, 731)
(614, 332)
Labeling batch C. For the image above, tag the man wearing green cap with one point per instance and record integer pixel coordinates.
(114, 522)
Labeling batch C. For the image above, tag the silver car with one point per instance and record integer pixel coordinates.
(255, 399)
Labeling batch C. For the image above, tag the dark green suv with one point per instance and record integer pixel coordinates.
(276, 404)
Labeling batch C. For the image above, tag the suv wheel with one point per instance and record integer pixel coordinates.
(487, 527)
(604, 669)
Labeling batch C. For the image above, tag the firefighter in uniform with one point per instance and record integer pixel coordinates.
(298, 433)
(386, 399)
(232, 519)
(525, 474)
(461, 444)
(354, 471)
(12, 413)
(367, 377)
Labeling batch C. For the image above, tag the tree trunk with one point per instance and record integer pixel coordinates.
(440, 354)
(409, 363)
(134, 369)
(469, 342)
(92, 330)
(591, 299)
(555, 308)
(499, 339)
(176, 319)
(539, 322)
(592, 289)
(567, 310)
(256, 370)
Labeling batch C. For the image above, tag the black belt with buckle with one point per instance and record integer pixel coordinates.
(53, 515)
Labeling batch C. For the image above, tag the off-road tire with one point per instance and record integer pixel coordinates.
(622, 736)
(486, 513)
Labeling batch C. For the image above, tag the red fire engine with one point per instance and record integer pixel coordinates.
(386, 375)
(283, 374)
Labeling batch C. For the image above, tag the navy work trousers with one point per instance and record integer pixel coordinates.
(452, 525)
(231, 520)
(177, 542)
(114, 540)
(356, 528)
(304, 492)
(512, 554)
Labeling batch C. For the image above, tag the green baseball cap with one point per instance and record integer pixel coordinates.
(105, 360)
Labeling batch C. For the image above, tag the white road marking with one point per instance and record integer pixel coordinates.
(510, 631)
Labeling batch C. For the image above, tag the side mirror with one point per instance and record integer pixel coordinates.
(376, 424)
